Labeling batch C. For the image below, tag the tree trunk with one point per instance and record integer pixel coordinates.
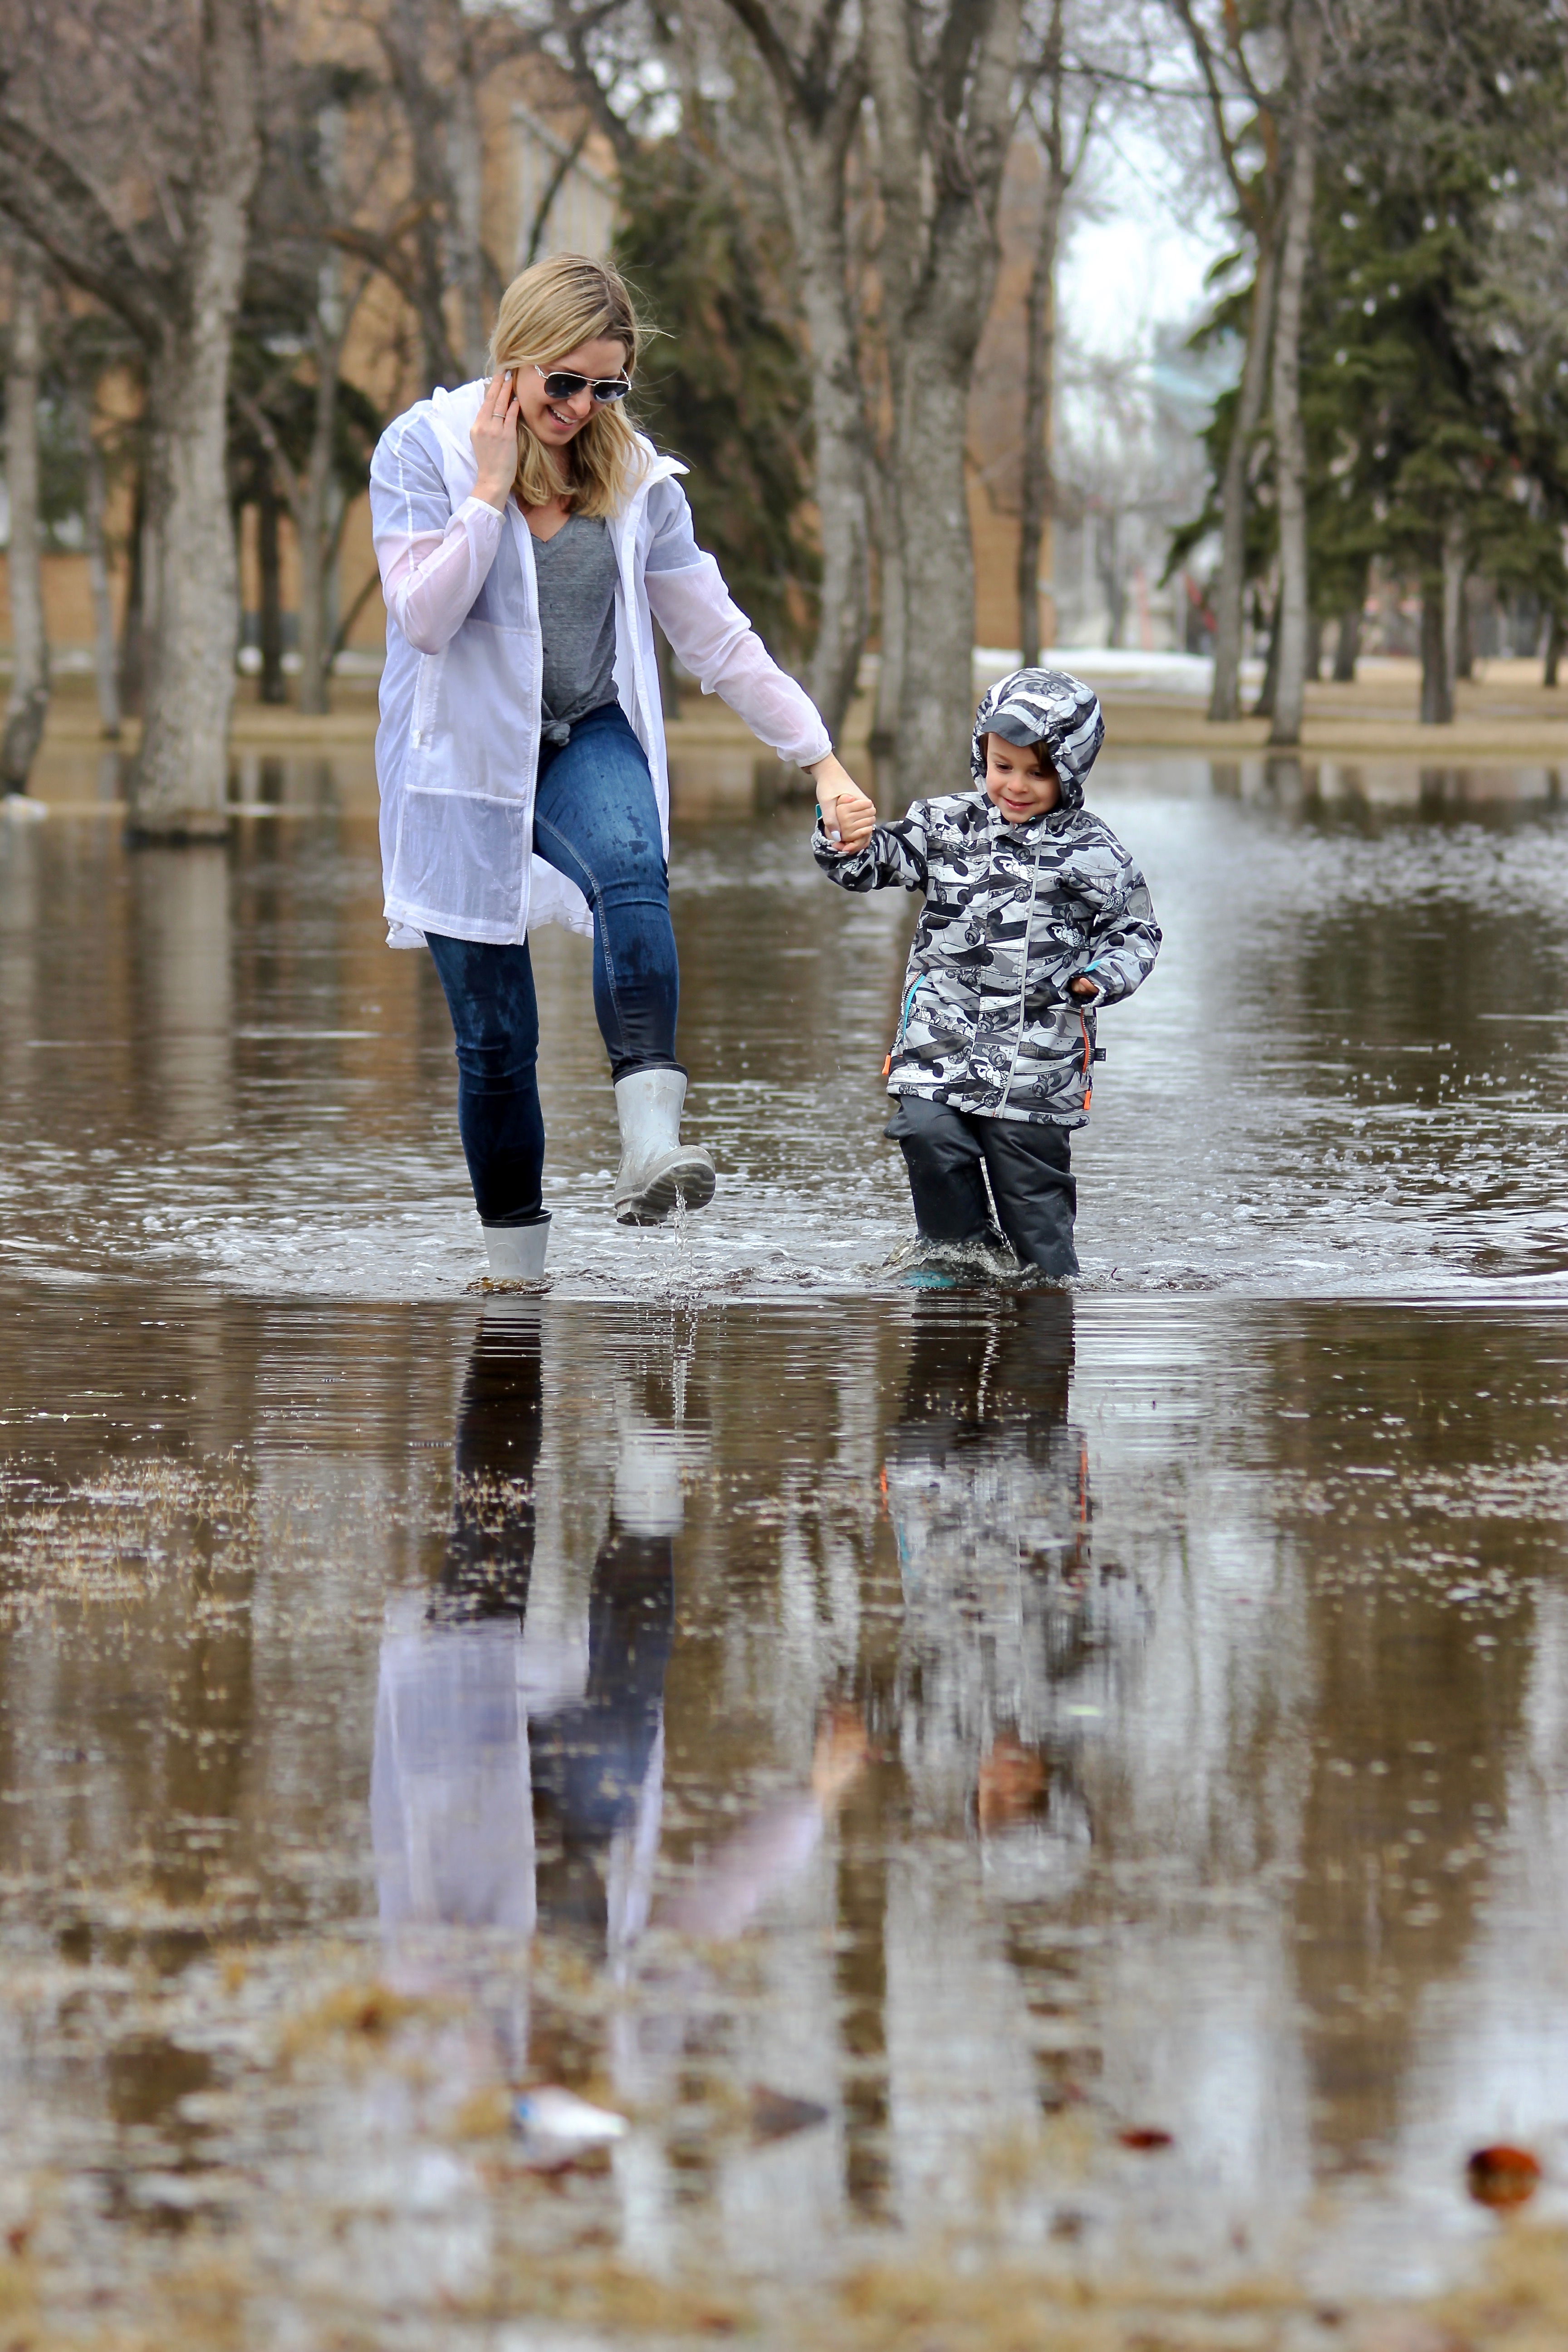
(814, 143)
(268, 565)
(1553, 648)
(890, 659)
(402, 32)
(466, 163)
(1037, 486)
(1436, 687)
(179, 781)
(842, 442)
(1289, 437)
(1347, 651)
(1269, 695)
(1230, 598)
(1454, 604)
(133, 619)
(1107, 527)
(312, 497)
(312, 534)
(30, 700)
(817, 104)
(1314, 648)
(104, 664)
(938, 266)
(936, 702)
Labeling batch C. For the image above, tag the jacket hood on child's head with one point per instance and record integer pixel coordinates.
(1043, 706)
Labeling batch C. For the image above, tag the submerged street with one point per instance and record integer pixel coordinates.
(1020, 1801)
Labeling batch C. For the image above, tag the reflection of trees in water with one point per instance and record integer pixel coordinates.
(1414, 1725)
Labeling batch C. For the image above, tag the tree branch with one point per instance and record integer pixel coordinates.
(47, 197)
(1204, 53)
(266, 433)
(574, 31)
(759, 21)
(564, 162)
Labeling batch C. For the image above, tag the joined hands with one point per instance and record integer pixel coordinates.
(845, 807)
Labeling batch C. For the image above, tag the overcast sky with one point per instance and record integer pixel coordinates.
(1136, 255)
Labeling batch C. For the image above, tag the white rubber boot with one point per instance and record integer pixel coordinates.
(517, 1252)
(656, 1169)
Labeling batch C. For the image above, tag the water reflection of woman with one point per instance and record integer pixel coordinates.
(509, 1769)
(528, 540)
(519, 1768)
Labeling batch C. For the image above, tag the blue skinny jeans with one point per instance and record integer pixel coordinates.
(596, 820)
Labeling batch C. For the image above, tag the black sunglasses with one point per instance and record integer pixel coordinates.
(560, 384)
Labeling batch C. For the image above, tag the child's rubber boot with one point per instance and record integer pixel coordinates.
(517, 1252)
(656, 1169)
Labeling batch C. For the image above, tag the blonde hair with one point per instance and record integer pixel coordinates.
(545, 312)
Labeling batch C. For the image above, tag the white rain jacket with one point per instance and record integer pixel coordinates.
(457, 751)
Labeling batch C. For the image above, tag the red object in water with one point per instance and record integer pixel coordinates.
(1502, 2175)
(1145, 2136)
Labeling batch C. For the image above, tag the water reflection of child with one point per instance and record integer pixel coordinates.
(1035, 917)
(1008, 1622)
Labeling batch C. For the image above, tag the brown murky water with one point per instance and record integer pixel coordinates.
(891, 1747)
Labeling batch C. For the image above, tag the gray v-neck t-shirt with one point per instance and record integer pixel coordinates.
(575, 571)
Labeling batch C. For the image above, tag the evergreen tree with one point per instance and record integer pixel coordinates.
(1434, 387)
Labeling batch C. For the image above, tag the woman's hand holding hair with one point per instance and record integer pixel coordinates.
(846, 811)
(493, 434)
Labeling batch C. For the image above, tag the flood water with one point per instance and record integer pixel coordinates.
(1053, 1799)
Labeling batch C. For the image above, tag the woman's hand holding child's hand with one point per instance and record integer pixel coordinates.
(845, 807)
(493, 434)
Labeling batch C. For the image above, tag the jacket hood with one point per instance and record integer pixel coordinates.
(452, 414)
(1048, 706)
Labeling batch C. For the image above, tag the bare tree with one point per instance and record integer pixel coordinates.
(174, 277)
(30, 700)
(429, 243)
(95, 502)
(306, 276)
(818, 76)
(942, 82)
(1228, 79)
(1289, 437)
(1062, 151)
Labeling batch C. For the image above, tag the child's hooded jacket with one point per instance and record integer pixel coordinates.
(1012, 914)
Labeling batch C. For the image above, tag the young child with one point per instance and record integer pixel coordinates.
(1035, 917)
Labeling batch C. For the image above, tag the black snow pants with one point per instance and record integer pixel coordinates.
(948, 1154)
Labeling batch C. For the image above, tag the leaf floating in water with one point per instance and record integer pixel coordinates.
(774, 2115)
(1502, 2176)
(1146, 2137)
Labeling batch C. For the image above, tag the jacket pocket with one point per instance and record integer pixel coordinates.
(475, 714)
(460, 864)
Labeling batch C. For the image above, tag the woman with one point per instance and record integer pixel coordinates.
(528, 538)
